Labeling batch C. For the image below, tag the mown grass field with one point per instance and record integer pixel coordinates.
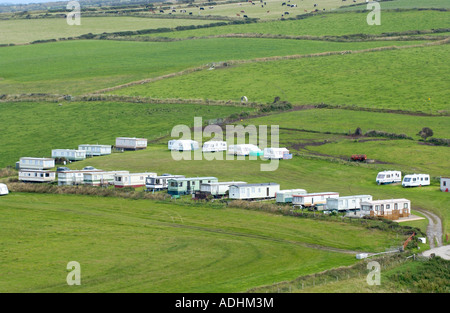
(78, 67)
(19, 31)
(403, 4)
(146, 246)
(334, 24)
(383, 79)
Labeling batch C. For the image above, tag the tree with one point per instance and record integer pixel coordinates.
(425, 133)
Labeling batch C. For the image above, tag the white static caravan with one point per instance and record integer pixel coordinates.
(243, 149)
(134, 180)
(69, 154)
(389, 177)
(128, 143)
(36, 176)
(100, 178)
(285, 196)
(95, 150)
(214, 146)
(445, 183)
(184, 145)
(73, 177)
(3, 190)
(416, 180)
(218, 189)
(390, 209)
(253, 191)
(347, 203)
(159, 182)
(276, 153)
(36, 163)
(311, 200)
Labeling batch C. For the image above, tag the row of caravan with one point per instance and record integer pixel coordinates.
(410, 180)
(238, 150)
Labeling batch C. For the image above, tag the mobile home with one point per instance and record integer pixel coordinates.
(254, 191)
(389, 177)
(391, 209)
(100, 178)
(285, 196)
(347, 203)
(95, 150)
(159, 182)
(73, 177)
(218, 189)
(128, 143)
(69, 154)
(243, 149)
(276, 153)
(313, 200)
(214, 146)
(445, 183)
(416, 180)
(184, 145)
(36, 163)
(3, 190)
(134, 180)
(188, 185)
(36, 176)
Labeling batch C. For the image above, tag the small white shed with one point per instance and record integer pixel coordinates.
(254, 191)
(445, 184)
(3, 190)
(131, 143)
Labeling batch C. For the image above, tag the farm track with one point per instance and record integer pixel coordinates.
(434, 229)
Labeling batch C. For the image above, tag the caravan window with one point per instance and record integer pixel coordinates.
(414, 179)
(388, 206)
(381, 176)
(426, 178)
(405, 205)
(395, 206)
(407, 179)
(377, 207)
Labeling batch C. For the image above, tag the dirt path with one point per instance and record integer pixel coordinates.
(434, 229)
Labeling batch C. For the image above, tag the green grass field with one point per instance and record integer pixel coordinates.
(403, 4)
(146, 246)
(78, 67)
(24, 31)
(384, 79)
(330, 25)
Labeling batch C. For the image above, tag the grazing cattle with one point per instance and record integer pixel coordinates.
(190, 13)
(268, 11)
(284, 3)
(306, 10)
(242, 11)
(211, 7)
(174, 11)
(161, 11)
(315, 5)
(262, 5)
(238, 14)
(286, 13)
(253, 3)
(245, 16)
(202, 8)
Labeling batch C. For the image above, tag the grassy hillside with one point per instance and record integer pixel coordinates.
(78, 67)
(386, 79)
(145, 246)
